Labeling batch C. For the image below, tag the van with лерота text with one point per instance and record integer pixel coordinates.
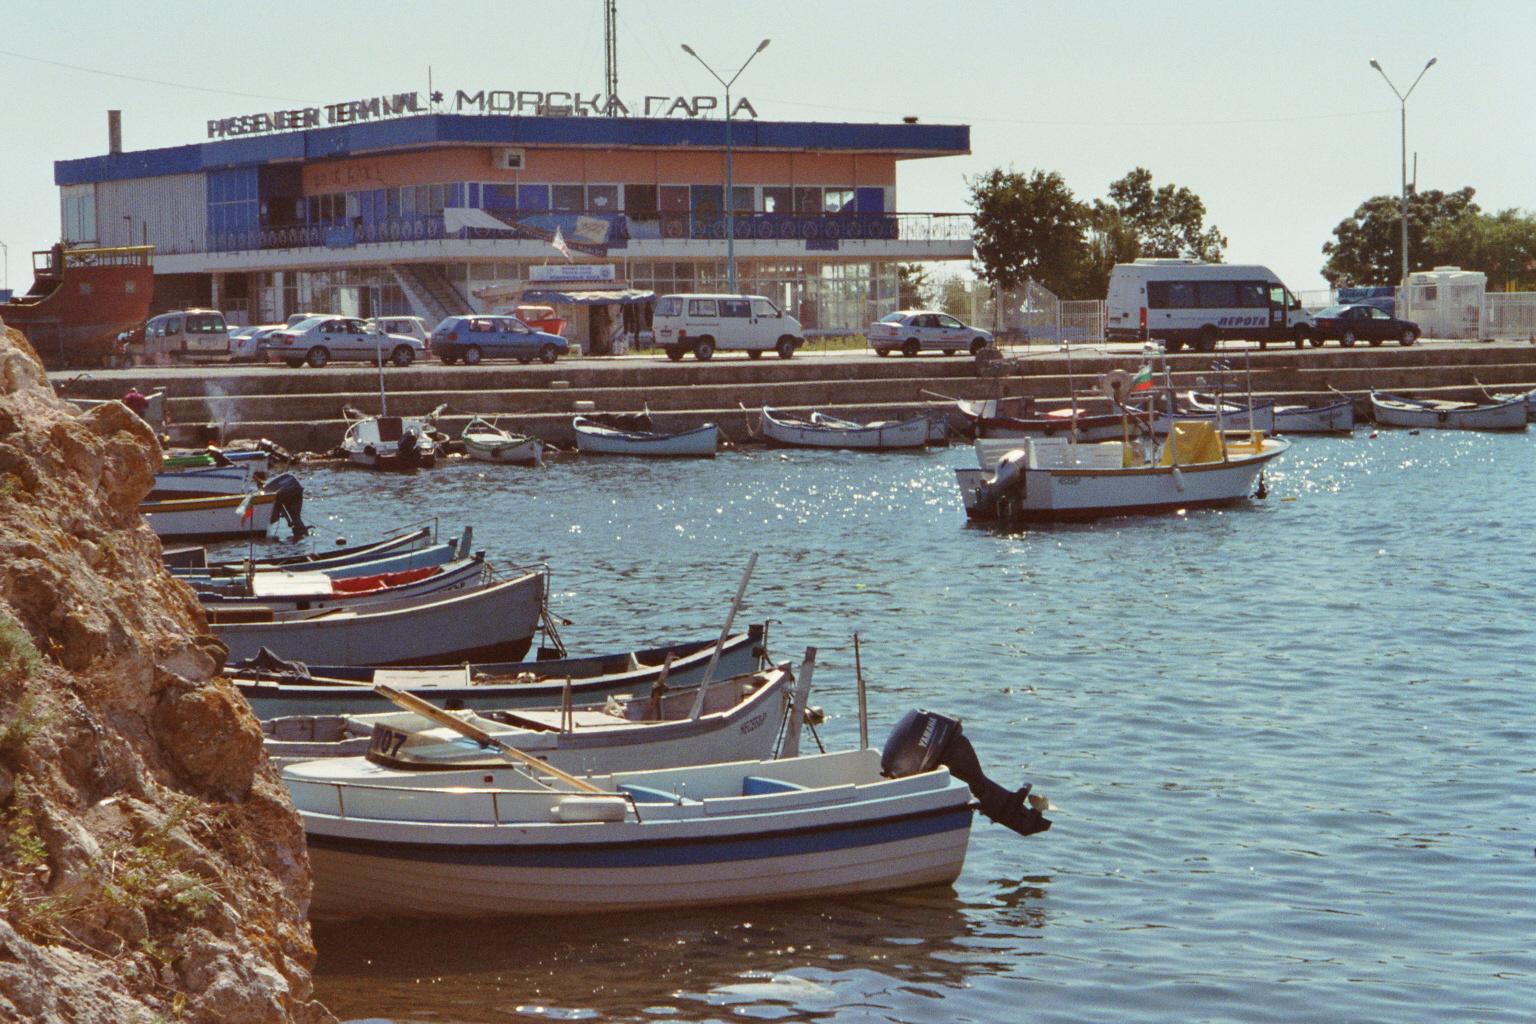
(703, 324)
(1195, 304)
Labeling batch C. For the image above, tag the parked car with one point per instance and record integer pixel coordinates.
(706, 323)
(1352, 321)
(473, 338)
(320, 339)
(912, 330)
(245, 344)
(410, 326)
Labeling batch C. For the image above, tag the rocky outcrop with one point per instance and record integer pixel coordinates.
(151, 866)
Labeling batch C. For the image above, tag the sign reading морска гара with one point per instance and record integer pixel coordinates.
(486, 101)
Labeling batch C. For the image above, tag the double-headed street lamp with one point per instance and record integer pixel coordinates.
(1402, 99)
(730, 188)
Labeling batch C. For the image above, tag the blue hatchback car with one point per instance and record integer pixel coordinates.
(473, 338)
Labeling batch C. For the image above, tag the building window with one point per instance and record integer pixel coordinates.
(603, 198)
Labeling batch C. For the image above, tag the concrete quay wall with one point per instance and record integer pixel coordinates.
(302, 409)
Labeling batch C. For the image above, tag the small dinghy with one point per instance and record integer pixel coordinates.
(486, 442)
(612, 436)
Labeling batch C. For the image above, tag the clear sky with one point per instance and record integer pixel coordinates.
(1270, 112)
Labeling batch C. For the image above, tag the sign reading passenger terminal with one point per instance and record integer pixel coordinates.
(493, 101)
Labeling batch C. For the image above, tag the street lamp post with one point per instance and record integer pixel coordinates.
(730, 187)
(1402, 99)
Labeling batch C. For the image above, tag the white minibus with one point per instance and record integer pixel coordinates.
(1195, 304)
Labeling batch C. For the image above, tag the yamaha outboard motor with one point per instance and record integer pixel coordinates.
(923, 740)
(289, 502)
(408, 449)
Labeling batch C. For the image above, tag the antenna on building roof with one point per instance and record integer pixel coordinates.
(610, 34)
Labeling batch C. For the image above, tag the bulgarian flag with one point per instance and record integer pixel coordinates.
(1143, 380)
(247, 507)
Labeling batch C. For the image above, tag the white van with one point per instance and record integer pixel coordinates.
(187, 334)
(701, 324)
(1187, 302)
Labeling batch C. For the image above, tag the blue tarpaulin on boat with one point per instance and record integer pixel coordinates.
(611, 296)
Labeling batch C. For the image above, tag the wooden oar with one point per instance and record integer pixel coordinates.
(411, 702)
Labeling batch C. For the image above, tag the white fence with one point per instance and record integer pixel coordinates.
(1487, 316)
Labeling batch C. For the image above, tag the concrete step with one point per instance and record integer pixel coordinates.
(302, 409)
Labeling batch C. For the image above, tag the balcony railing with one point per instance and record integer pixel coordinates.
(820, 230)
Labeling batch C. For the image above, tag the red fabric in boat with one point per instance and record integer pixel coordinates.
(368, 584)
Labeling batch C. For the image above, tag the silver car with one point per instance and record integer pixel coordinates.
(910, 331)
(321, 339)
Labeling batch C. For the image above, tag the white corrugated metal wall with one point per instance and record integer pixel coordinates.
(177, 206)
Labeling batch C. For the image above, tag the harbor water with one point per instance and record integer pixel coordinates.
(1289, 743)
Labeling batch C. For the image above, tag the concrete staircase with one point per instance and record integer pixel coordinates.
(302, 409)
(432, 295)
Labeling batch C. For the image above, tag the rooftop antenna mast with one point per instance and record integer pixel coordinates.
(611, 37)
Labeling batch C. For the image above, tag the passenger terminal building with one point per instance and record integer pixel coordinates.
(402, 208)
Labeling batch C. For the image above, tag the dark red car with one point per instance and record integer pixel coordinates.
(1348, 323)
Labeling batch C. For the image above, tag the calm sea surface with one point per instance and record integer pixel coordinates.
(1291, 743)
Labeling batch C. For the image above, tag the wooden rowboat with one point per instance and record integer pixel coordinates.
(489, 623)
(740, 718)
(1400, 411)
(486, 442)
(822, 431)
(275, 688)
(597, 438)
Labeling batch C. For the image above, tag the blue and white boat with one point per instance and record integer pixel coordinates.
(515, 840)
(276, 688)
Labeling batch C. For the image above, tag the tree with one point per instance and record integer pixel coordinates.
(1028, 227)
(1110, 240)
(912, 286)
(1367, 247)
(1501, 245)
(1167, 222)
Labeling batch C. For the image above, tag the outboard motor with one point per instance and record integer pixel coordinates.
(1006, 482)
(289, 502)
(408, 449)
(923, 740)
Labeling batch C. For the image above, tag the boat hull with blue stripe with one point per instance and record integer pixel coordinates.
(500, 841)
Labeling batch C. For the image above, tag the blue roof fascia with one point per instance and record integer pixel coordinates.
(904, 140)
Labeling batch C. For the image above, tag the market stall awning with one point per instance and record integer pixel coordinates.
(596, 297)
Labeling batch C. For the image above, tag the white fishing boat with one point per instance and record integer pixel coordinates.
(226, 516)
(486, 442)
(533, 840)
(1045, 479)
(1223, 413)
(734, 719)
(1329, 418)
(400, 443)
(277, 688)
(490, 623)
(386, 560)
(596, 437)
(1439, 414)
(234, 599)
(822, 431)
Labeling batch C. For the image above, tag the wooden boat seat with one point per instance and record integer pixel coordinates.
(555, 721)
(647, 795)
(756, 785)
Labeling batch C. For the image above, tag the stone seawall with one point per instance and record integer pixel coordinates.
(302, 409)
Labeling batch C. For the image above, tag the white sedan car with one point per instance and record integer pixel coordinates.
(910, 331)
(320, 339)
